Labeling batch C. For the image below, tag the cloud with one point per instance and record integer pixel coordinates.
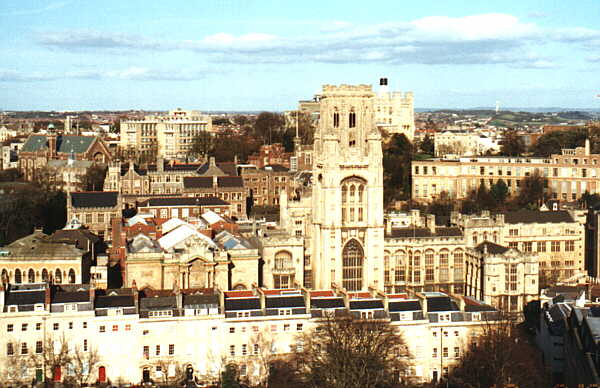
(477, 39)
(131, 73)
(49, 7)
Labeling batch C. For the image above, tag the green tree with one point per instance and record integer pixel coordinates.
(553, 142)
(346, 352)
(397, 157)
(531, 193)
(427, 145)
(512, 144)
(499, 192)
(230, 376)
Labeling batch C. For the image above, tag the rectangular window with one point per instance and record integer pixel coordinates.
(38, 326)
(23, 327)
(555, 246)
(115, 328)
(102, 329)
(456, 352)
(24, 349)
(70, 325)
(232, 330)
(10, 350)
(158, 350)
(513, 245)
(527, 246)
(298, 327)
(244, 350)
(286, 327)
(569, 246)
(39, 347)
(171, 349)
(445, 352)
(85, 325)
(9, 327)
(255, 349)
(85, 345)
(146, 352)
(541, 246)
(55, 326)
(232, 350)
(127, 327)
(434, 353)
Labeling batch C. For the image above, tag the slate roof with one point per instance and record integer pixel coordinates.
(327, 303)
(160, 302)
(190, 300)
(407, 305)
(197, 182)
(230, 181)
(536, 216)
(184, 201)
(106, 301)
(441, 303)
(38, 245)
(276, 168)
(235, 304)
(87, 199)
(425, 232)
(24, 298)
(70, 296)
(79, 237)
(492, 248)
(366, 304)
(64, 143)
(284, 301)
(210, 169)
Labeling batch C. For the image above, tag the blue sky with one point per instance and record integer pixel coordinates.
(267, 55)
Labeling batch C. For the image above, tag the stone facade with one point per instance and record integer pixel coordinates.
(265, 185)
(95, 210)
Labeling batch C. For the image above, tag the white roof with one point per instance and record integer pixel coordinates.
(172, 224)
(180, 234)
(212, 217)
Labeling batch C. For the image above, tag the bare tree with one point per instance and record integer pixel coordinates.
(54, 359)
(345, 352)
(15, 371)
(262, 350)
(501, 355)
(82, 364)
(172, 372)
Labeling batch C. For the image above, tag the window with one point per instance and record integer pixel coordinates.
(541, 246)
(298, 327)
(528, 246)
(434, 353)
(146, 352)
(569, 246)
(232, 330)
(513, 232)
(255, 349)
(555, 246)
(513, 245)
(70, 325)
(39, 347)
(9, 327)
(102, 329)
(23, 327)
(456, 352)
(286, 327)
(24, 349)
(85, 345)
(352, 119)
(10, 350)
(115, 328)
(352, 258)
(285, 311)
(274, 328)
(38, 326)
(445, 352)
(244, 350)
(336, 118)
(255, 329)
(232, 350)
(171, 349)
(55, 326)
(158, 350)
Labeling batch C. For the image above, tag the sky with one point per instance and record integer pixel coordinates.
(239, 55)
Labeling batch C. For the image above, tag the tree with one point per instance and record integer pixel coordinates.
(230, 376)
(531, 191)
(501, 355)
(268, 127)
(172, 373)
(397, 157)
(15, 371)
(345, 352)
(553, 142)
(283, 374)
(202, 145)
(427, 145)
(93, 179)
(82, 363)
(484, 197)
(512, 144)
(589, 200)
(54, 358)
(499, 192)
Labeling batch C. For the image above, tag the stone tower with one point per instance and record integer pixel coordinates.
(347, 208)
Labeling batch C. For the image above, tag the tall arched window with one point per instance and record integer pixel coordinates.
(400, 270)
(18, 279)
(352, 270)
(282, 278)
(31, 276)
(444, 265)
(353, 200)
(44, 275)
(5, 278)
(458, 262)
(57, 276)
(352, 119)
(336, 118)
(72, 276)
(386, 268)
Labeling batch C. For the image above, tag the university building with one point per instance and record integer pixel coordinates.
(569, 175)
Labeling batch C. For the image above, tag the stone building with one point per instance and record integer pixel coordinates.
(184, 207)
(95, 210)
(41, 258)
(170, 135)
(270, 154)
(265, 184)
(569, 174)
(394, 111)
(502, 277)
(558, 237)
(38, 150)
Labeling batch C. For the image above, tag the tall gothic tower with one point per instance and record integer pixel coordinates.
(347, 207)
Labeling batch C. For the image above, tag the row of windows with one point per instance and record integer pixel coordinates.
(39, 347)
(541, 246)
(445, 354)
(38, 326)
(273, 328)
(32, 276)
(102, 328)
(157, 350)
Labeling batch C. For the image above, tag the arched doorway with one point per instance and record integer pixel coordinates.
(189, 373)
(102, 374)
(146, 375)
(352, 270)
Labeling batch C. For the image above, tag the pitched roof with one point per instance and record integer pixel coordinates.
(197, 182)
(536, 216)
(70, 296)
(88, 199)
(441, 303)
(64, 143)
(230, 181)
(284, 301)
(39, 245)
(234, 304)
(327, 303)
(106, 301)
(366, 304)
(492, 248)
(184, 201)
(407, 305)
(200, 299)
(425, 232)
(24, 297)
(210, 168)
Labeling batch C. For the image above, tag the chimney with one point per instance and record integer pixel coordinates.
(431, 222)
(211, 162)
(47, 296)
(51, 144)
(383, 85)
(92, 292)
(215, 181)
(587, 146)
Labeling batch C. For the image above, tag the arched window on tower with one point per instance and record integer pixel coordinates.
(353, 200)
(44, 275)
(352, 270)
(57, 276)
(18, 279)
(336, 118)
(31, 276)
(352, 119)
